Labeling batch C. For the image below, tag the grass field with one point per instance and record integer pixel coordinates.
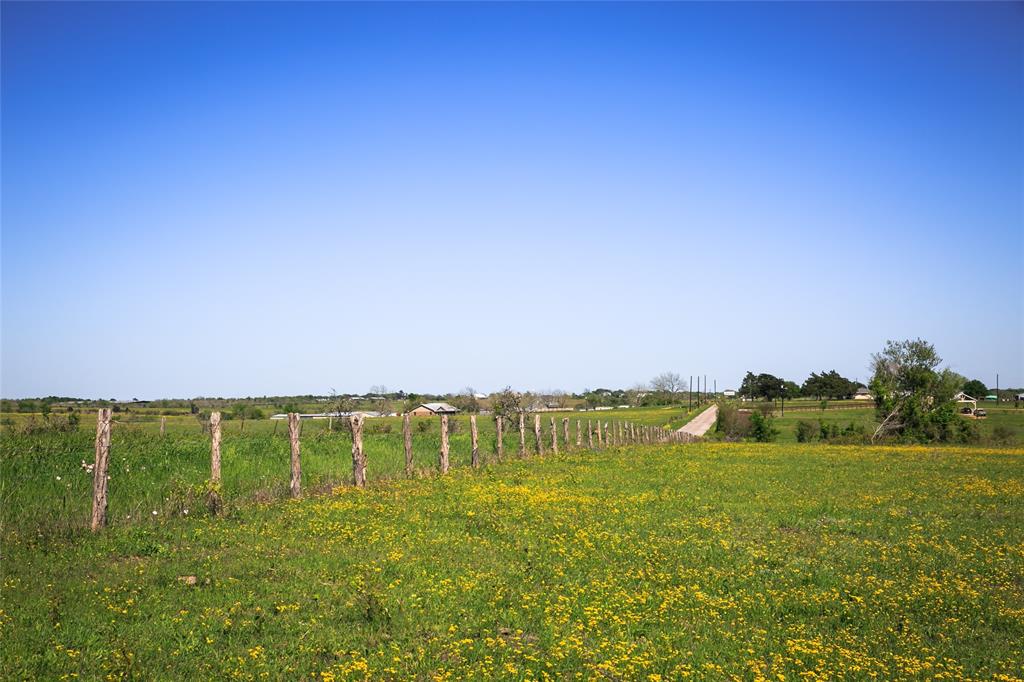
(705, 561)
(45, 485)
(864, 417)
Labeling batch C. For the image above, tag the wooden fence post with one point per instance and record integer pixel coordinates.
(407, 439)
(163, 425)
(632, 432)
(499, 443)
(522, 435)
(565, 432)
(600, 438)
(215, 447)
(475, 458)
(443, 456)
(554, 436)
(537, 442)
(579, 434)
(358, 456)
(99, 470)
(213, 500)
(293, 436)
(590, 434)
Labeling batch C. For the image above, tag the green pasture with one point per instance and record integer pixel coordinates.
(709, 561)
(45, 484)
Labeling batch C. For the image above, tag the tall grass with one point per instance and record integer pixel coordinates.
(45, 481)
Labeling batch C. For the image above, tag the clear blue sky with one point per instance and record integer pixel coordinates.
(249, 199)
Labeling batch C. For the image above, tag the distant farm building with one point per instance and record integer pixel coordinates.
(729, 393)
(332, 415)
(863, 394)
(991, 397)
(428, 409)
(963, 399)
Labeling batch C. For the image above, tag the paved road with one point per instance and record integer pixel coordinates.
(700, 424)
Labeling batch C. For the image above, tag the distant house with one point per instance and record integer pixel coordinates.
(479, 396)
(863, 394)
(427, 409)
(963, 398)
(729, 393)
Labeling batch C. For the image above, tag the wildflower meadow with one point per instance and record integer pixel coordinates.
(706, 561)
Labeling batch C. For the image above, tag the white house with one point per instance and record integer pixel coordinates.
(729, 393)
(863, 394)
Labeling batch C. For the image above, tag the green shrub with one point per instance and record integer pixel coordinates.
(805, 431)
(761, 428)
(731, 423)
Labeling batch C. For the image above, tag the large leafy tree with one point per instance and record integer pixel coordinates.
(975, 389)
(829, 384)
(767, 386)
(913, 397)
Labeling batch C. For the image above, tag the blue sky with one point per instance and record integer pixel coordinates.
(249, 199)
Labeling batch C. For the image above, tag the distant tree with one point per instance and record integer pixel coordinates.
(790, 389)
(466, 401)
(634, 396)
(913, 397)
(767, 386)
(668, 382)
(557, 398)
(975, 389)
(506, 404)
(336, 402)
(829, 385)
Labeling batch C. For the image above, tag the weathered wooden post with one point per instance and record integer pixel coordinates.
(213, 500)
(537, 442)
(499, 443)
(443, 456)
(358, 456)
(99, 470)
(590, 434)
(522, 435)
(293, 436)
(600, 438)
(475, 457)
(632, 432)
(163, 425)
(565, 432)
(579, 434)
(215, 447)
(407, 439)
(554, 436)
(618, 434)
